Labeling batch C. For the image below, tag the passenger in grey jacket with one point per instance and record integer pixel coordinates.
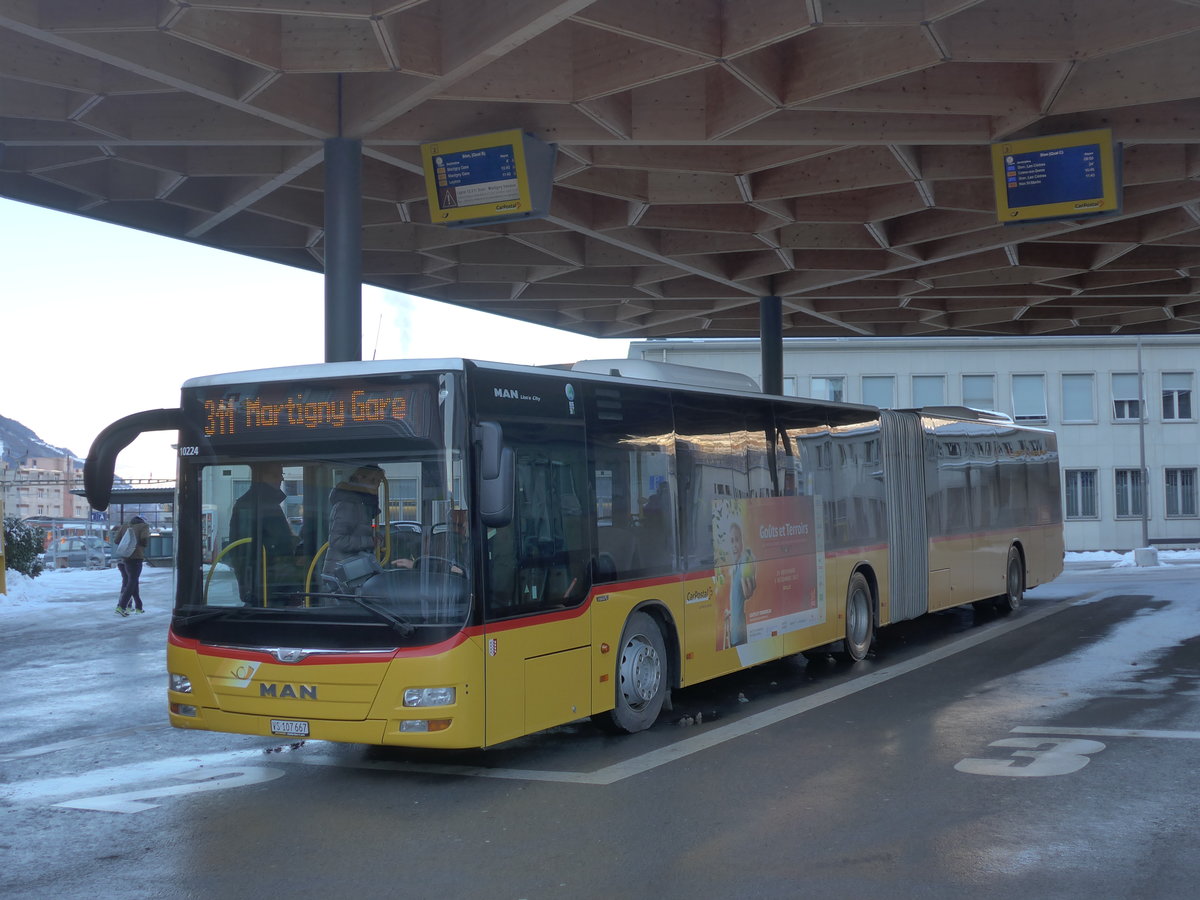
(354, 504)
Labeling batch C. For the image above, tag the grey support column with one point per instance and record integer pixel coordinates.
(770, 336)
(343, 250)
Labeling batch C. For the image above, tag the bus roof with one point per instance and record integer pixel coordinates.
(328, 370)
(619, 371)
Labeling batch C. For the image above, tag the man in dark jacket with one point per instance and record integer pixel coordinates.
(257, 515)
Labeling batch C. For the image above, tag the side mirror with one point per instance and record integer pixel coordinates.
(102, 458)
(497, 475)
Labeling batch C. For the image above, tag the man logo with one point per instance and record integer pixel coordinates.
(288, 691)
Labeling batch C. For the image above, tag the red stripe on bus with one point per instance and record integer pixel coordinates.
(855, 551)
(322, 657)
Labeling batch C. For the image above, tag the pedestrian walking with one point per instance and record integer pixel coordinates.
(132, 541)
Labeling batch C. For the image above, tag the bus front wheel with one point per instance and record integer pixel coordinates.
(860, 620)
(642, 675)
(1014, 584)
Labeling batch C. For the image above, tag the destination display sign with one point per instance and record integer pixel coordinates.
(294, 411)
(488, 178)
(1062, 176)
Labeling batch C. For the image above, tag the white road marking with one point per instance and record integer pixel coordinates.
(1108, 732)
(204, 780)
(82, 741)
(129, 778)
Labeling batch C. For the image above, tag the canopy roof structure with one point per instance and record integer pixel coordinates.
(834, 153)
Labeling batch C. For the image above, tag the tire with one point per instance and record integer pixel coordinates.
(1014, 584)
(642, 676)
(860, 620)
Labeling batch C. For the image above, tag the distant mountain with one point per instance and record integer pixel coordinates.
(18, 442)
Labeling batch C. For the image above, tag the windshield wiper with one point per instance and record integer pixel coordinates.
(402, 626)
(218, 612)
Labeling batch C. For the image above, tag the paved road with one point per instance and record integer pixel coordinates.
(1052, 753)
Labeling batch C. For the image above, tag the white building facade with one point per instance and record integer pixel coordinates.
(1124, 409)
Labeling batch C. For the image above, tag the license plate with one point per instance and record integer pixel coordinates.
(289, 728)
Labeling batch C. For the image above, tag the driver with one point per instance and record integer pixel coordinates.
(450, 545)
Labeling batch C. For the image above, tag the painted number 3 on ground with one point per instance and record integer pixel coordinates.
(1036, 757)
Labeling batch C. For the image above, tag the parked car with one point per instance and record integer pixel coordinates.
(78, 552)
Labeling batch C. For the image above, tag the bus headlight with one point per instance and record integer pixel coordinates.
(439, 696)
(180, 683)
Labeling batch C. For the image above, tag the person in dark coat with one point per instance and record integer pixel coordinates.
(258, 515)
(130, 566)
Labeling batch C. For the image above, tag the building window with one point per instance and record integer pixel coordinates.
(1129, 493)
(789, 386)
(1176, 396)
(1078, 398)
(1029, 398)
(879, 390)
(1127, 405)
(1181, 492)
(929, 390)
(979, 391)
(827, 387)
(1081, 494)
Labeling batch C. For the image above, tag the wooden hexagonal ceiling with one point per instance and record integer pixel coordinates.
(832, 152)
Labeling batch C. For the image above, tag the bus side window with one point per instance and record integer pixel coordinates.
(724, 454)
(539, 560)
(633, 475)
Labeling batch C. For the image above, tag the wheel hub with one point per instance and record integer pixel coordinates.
(641, 672)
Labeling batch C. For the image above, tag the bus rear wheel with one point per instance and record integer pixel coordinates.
(1014, 584)
(642, 675)
(860, 620)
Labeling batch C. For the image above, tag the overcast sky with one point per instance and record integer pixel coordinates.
(98, 321)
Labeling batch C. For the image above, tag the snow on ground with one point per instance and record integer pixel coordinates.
(59, 585)
(64, 585)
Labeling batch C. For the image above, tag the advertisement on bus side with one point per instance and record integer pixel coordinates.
(768, 568)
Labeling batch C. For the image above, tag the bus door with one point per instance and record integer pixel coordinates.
(538, 636)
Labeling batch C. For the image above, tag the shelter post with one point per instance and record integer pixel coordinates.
(343, 250)
(770, 336)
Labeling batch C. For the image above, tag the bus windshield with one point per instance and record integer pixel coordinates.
(354, 538)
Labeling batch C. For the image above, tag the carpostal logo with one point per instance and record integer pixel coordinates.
(240, 673)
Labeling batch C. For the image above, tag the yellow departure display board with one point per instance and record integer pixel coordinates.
(488, 178)
(1061, 176)
(307, 410)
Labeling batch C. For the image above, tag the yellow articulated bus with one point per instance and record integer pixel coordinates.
(449, 553)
